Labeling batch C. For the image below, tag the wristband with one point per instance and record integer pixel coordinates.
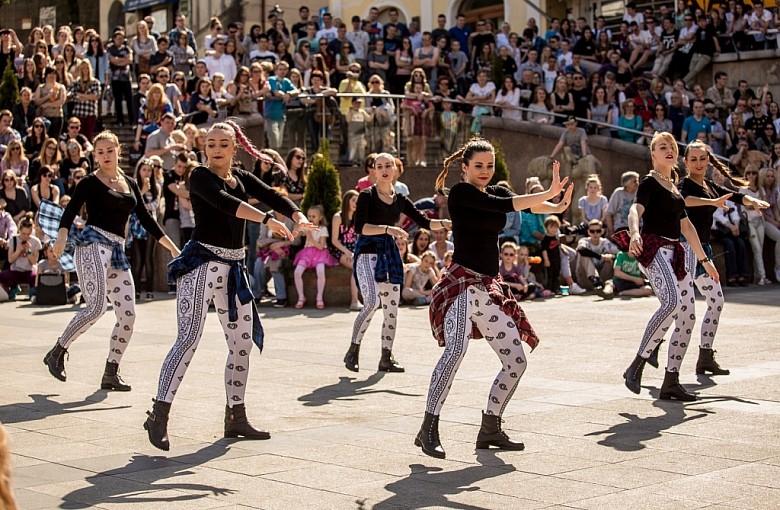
(268, 217)
(385, 230)
(704, 261)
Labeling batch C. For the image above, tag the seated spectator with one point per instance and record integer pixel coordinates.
(592, 206)
(596, 255)
(44, 189)
(272, 256)
(761, 21)
(13, 197)
(407, 258)
(726, 230)
(718, 132)
(628, 280)
(7, 231)
(314, 255)
(73, 131)
(660, 122)
(419, 279)
(15, 160)
(7, 133)
(620, 202)
(51, 265)
(23, 113)
(574, 138)
(630, 121)
(151, 114)
(34, 140)
(440, 246)
(513, 274)
(644, 103)
(421, 241)
(203, 107)
(23, 251)
(74, 158)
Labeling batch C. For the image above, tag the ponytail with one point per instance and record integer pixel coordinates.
(442, 177)
(465, 152)
(723, 169)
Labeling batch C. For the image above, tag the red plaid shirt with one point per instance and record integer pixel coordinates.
(455, 280)
(651, 243)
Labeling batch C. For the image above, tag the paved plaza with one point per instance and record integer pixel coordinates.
(345, 441)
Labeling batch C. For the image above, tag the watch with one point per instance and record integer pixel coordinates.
(268, 217)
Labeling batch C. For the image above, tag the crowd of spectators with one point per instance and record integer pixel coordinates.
(643, 77)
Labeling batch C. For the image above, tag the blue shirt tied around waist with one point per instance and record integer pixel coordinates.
(195, 255)
(89, 236)
(389, 267)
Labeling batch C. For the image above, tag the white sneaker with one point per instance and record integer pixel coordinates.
(576, 289)
(423, 163)
(777, 274)
(764, 281)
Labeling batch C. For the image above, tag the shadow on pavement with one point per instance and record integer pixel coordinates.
(347, 389)
(112, 487)
(42, 407)
(429, 487)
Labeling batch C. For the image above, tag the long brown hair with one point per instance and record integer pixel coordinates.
(465, 153)
(716, 163)
(346, 218)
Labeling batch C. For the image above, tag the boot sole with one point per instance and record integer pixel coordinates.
(663, 396)
(56, 376)
(112, 387)
(487, 445)
(703, 371)
(436, 455)
(351, 368)
(392, 369)
(162, 447)
(235, 435)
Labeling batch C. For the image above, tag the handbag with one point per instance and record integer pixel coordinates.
(51, 289)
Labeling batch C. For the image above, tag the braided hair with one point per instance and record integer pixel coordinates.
(716, 163)
(464, 153)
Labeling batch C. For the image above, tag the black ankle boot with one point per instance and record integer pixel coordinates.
(671, 389)
(112, 380)
(388, 364)
(55, 360)
(428, 437)
(633, 374)
(351, 358)
(652, 360)
(237, 424)
(157, 424)
(707, 363)
(491, 434)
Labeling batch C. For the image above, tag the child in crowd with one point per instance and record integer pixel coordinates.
(357, 120)
(420, 279)
(51, 265)
(273, 252)
(510, 271)
(551, 253)
(628, 280)
(420, 111)
(596, 255)
(315, 255)
(440, 246)
(593, 206)
(449, 127)
(407, 257)
(448, 259)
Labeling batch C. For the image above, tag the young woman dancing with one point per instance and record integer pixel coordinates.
(702, 198)
(101, 264)
(378, 269)
(211, 266)
(472, 301)
(667, 264)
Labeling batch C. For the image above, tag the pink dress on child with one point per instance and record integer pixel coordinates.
(311, 256)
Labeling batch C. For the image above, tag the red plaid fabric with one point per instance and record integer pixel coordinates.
(455, 280)
(651, 243)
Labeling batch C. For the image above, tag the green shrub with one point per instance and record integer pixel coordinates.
(322, 183)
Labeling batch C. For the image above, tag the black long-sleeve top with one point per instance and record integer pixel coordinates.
(215, 204)
(108, 209)
(477, 219)
(370, 209)
(701, 217)
(663, 209)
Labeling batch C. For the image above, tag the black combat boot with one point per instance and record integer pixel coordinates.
(55, 360)
(388, 364)
(671, 389)
(112, 380)
(491, 434)
(351, 358)
(428, 437)
(633, 374)
(237, 425)
(157, 425)
(707, 363)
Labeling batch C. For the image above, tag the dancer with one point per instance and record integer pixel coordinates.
(378, 269)
(666, 263)
(212, 266)
(101, 264)
(702, 197)
(471, 300)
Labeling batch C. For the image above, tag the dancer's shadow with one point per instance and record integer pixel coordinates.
(632, 435)
(113, 486)
(706, 382)
(42, 407)
(430, 486)
(347, 389)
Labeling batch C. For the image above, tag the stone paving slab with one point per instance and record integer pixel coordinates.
(344, 441)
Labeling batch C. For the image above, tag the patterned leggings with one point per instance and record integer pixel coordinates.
(677, 304)
(99, 281)
(194, 290)
(713, 295)
(375, 294)
(474, 306)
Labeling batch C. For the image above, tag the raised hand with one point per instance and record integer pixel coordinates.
(557, 184)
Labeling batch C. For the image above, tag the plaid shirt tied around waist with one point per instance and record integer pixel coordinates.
(651, 243)
(456, 280)
(90, 235)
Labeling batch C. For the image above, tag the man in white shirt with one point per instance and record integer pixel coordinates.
(632, 15)
(218, 62)
(262, 53)
(502, 39)
(640, 41)
(358, 38)
(328, 31)
(760, 21)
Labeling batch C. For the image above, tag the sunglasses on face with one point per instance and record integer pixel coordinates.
(77, 177)
(298, 156)
(750, 173)
(16, 148)
(38, 126)
(594, 231)
(48, 174)
(73, 127)
(508, 254)
(9, 180)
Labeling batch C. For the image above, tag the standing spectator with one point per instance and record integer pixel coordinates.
(298, 30)
(551, 253)
(359, 40)
(677, 114)
(427, 56)
(460, 32)
(481, 95)
(721, 96)
(593, 205)
(509, 98)
(540, 107)
(643, 103)
(574, 138)
(50, 97)
(755, 220)
(85, 93)
(601, 111)
(164, 57)
(343, 238)
(696, 123)
(630, 121)
(767, 181)
(219, 62)
(705, 47)
(459, 62)
(98, 59)
(760, 22)
(280, 91)
(328, 31)
(562, 101)
(143, 46)
(203, 106)
(620, 202)
(294, 180)
(183, 55)
(151, 114)
(120, 56)
(320, 112)
(351, 85)
(181, 28)
(717, 133)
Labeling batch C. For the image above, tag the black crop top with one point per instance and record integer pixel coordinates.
(663, 209)
(477, 219)
(701, 217)
(108, 209)
(215, 204)
(370, 209)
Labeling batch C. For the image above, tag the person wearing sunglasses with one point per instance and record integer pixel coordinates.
(44, 189)
(596, 255)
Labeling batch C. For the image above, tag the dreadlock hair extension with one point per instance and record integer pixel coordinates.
(715, 163)
(465, 153)
(240, 137)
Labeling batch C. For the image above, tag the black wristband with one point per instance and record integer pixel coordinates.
(704, 261)
(268, 217)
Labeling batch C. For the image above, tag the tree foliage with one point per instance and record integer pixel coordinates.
(322, 183)
(502, 171)
(9, 87)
